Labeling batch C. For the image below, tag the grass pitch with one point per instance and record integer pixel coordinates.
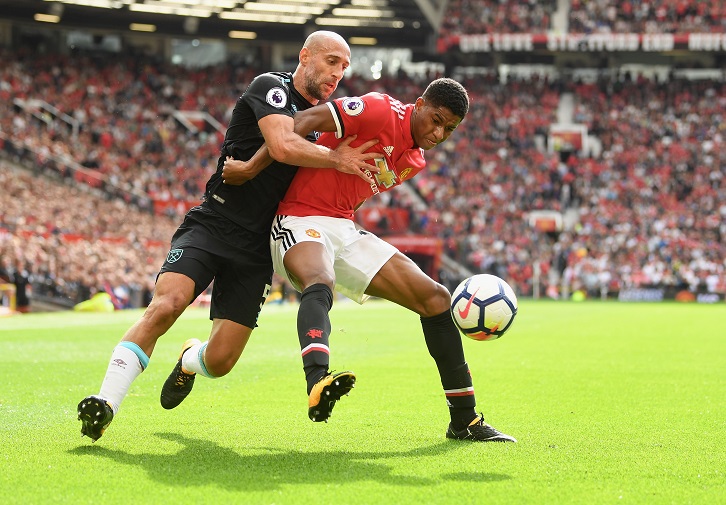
(610, 402)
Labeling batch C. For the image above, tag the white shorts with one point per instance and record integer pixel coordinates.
(357, 255)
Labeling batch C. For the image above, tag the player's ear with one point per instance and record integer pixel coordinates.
(304, 55)
(420, 102)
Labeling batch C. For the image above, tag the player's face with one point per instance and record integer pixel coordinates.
(430, 125)
(324, 68)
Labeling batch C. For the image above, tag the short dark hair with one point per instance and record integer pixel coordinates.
(447, 92)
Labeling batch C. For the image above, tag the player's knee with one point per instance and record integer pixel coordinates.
(436, 300)
(167, 308)
(218, 369)
(319, 278)
(218, 365)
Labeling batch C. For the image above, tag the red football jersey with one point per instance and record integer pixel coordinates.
(328, 192)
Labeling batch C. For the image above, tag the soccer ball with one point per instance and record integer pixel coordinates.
(483, 307)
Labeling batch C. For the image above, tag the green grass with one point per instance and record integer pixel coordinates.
(611, 403)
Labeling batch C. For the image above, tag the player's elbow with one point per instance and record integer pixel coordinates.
(282, 152)
(277, 152)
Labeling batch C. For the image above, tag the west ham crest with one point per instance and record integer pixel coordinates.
(174, 255)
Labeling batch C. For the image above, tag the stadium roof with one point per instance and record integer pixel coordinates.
(412, 23)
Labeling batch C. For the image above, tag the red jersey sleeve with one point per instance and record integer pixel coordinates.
(364, 116)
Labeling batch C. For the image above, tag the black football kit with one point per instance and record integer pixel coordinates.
(226, 238)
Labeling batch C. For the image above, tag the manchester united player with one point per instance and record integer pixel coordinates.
(226, 238)
(316, 245)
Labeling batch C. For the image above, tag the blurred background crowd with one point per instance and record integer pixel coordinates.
(90, 202)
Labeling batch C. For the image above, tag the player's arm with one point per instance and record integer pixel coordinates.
(236, 172)
(287, 146)
(320, 118)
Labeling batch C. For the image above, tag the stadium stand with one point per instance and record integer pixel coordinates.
(660, 16)
(650, 207)
(74, 243)
(493, 16)
(110, 155)
(125, 106)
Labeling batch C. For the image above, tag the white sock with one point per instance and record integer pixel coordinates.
(193, 360)
(127, 362)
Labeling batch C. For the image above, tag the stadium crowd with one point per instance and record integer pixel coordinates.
(125, 104)
(73, 243)
(653, 208)
(465, 17)
(650, 205)
(647, 16)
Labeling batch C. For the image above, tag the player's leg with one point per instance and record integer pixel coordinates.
(401, 281)
(173, 293)
(186, 272)
(212, 359)
(239, 291)
(303, 250)
(226, 343)
(312, 271)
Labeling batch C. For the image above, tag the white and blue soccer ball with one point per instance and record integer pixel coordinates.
(483, 307)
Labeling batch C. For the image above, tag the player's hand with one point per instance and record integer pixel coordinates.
(353, 160)
(236, 172)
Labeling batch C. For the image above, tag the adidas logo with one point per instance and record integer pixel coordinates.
(388, 150)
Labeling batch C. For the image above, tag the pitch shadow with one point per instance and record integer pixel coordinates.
(202, 462)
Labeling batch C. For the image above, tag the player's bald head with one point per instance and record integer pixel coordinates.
(323, 60)
(322, 40)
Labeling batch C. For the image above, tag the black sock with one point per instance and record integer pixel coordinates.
(444, 344)
(313, 331)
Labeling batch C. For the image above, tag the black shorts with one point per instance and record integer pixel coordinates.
(208, 246)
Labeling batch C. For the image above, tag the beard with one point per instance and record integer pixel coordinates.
(314, 88)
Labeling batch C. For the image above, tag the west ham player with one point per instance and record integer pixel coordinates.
(226, 238)
(316, 245)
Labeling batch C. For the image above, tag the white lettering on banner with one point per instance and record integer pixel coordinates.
(707, 41)
(576, 42)
(708, 298)
(622, 42)
(474, 44)
(658, 42)
(512, 42)
(564, 42)
(597, 42)
(496, 42)
(554, 42)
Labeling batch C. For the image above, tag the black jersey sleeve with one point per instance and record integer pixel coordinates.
(269, 94)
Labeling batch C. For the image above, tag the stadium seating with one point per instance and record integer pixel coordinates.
(492, 16)
(467, 17)
(649, 207)
(75, 243)
(660, 16)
